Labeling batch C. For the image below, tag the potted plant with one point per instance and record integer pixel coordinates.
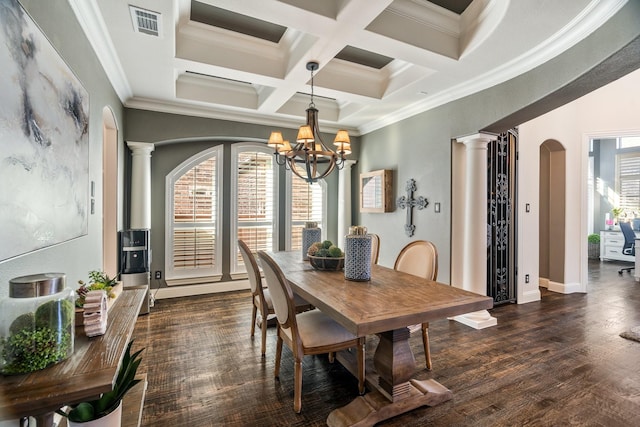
(107, 410)
(594, 245)
(616, 213)
(98, 280)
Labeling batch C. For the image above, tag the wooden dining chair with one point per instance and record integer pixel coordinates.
(311, 332)
(420, 258)
(375, 248)
(260, 297)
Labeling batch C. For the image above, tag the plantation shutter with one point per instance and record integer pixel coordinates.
(195, 210)
(628, 185)
(255, 200)
(307, 204)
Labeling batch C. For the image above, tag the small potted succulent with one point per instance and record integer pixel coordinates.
(326, 256)
(107, 410)
(98, 281)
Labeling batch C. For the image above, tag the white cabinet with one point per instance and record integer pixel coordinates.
(611, 243)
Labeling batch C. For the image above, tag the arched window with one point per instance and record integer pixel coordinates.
(193, 231)
(254, 208)
(308, 203)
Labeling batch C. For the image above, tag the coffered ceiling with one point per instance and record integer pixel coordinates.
(380, 61)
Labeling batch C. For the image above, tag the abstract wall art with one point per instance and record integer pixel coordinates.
(44, 140)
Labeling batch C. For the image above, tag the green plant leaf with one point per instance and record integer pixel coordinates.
(82, 413)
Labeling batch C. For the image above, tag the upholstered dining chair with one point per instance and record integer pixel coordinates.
(261, 298)
(375, 248)
(420, 258)
(311, 332)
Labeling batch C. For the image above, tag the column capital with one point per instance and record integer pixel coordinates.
(477, 140)
(141, 147)
(348, 164)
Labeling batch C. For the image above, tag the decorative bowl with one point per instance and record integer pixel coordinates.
(326, 263)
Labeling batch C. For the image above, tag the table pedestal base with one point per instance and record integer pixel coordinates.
(374, 407)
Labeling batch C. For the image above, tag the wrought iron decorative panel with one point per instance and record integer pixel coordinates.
(501, 229)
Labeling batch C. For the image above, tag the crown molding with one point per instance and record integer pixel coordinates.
(234, 116)
(90, 19)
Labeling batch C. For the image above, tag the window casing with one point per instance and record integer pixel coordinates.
(193, 233)
(254, 207)
(308, 202)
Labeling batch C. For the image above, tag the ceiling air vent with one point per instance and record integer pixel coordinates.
(145, 21)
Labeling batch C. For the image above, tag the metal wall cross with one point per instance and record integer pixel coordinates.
(409, 202)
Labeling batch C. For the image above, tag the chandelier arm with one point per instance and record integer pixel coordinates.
(310, 174)
(280, 159)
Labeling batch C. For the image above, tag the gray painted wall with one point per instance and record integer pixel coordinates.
(78, 256)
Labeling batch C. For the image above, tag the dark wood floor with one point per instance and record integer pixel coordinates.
(556, 362)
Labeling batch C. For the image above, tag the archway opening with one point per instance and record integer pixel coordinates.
(552, 214)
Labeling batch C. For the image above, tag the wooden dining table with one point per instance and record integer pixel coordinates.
(386, 306)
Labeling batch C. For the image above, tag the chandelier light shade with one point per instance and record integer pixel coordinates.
(310, 158)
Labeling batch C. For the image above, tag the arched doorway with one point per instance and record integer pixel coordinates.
(109, 192)
(552, 214)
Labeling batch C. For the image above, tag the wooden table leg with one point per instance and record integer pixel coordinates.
(394, 391)
(45, 420)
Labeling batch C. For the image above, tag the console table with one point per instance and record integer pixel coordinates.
(90, 371)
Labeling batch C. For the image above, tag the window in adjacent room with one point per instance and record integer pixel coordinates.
(193, 237)
(628, 182)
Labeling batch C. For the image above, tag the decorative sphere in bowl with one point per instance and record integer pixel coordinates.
(326, 263)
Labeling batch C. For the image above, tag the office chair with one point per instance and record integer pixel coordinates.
(629, 247)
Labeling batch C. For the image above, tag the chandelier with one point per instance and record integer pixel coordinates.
(310, 158)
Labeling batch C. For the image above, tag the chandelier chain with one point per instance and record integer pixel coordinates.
(312, 104)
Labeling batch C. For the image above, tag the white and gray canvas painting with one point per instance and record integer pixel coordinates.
(44, 141)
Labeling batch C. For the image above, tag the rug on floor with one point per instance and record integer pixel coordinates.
(633, 334)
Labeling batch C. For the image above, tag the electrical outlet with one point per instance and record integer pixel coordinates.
(526, 278)
(158, 274)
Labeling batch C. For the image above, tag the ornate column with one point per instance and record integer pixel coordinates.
(344, 200)
(140, 184)
(474, 274)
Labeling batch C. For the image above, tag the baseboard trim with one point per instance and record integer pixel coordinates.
(530, 296)
(200, 289)
(564, 288)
